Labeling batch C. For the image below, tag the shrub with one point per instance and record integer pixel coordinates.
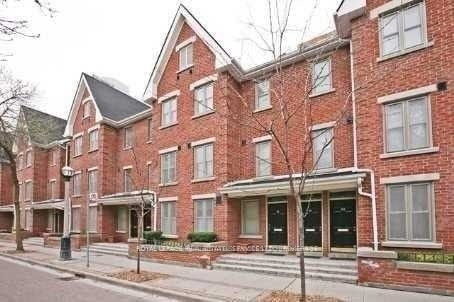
(202, 237)
(152, 237)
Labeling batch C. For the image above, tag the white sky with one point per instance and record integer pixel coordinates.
(121, 39)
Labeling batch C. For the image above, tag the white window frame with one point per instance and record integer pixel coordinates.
(128, 137)
(166, 109)
(53, 188)
(92, 183)
(206, 162)
(186, 57)
(316, 90)
(20, 161)
(86, 109)
(262, 161)
(243, 217)
(408, 211)
(93, 144)
(316, 156)
(127, 179)
(204, 219)
(399, 12)
(266, 94)
(76, 186)
(73, 227)
(93, 223)
(149, 129)
(173, 220)
(163, 168)
(78, 145)
(405, 122)
(28, 190)
(207, 101)
(28, 158)
(121, 223)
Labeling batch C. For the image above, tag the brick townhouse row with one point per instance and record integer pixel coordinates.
(381, 187)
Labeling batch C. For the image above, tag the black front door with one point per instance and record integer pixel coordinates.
(343, 223)
(312, 212)
(134, 223)
(277, 224)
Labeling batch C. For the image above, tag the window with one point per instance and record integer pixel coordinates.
(92, 219)
(20, 162)
(263, 158)
(75, 220)
(203, 161)
(28, 219)
(53, 189)
(168, 167)
(407, 125)
(28, 190)
(87, 109)
(76, 183)
(250, 217)
(203, 210)
(203, 99)
(149, 174)
(321, 76)
(169, 112)
(93, 140)
(53, 157)
(21, 191)
(168, 218)
(122, 219)
(28, 158)
(92, 181)
(149, 129)
(127, 180)
(128, 137)
(186, 57)
(78, 146)
(323, 148)
(262, 95)
(410, 212)
(403, 29)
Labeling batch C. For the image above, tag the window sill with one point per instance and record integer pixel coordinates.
(148, 142)
(168, 126)
(263, 109)
(404, 52)
(314, 95)
(170, 236)
(169, 184)
(85, 117)
(413, 244)
(203, 179)
(324, 170)
(428, 267)
(245, 236)
(120, 232)
(127, 148)
(94, 150)
(264, 177)
(410, 152)
(185, 68)
(78, 155)
(196, 116)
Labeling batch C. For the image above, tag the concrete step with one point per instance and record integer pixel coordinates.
(34, 241)
(106, 251)
(289, 273)
(351, 271)
(110, 248)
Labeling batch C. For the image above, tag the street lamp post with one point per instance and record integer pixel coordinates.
(65, 244)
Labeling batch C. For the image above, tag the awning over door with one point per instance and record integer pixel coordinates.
(48, 204)
(125, 198)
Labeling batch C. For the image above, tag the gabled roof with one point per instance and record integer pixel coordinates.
(183, 16)
(113, 106)
(42, 128)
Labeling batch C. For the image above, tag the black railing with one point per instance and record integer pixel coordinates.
(443, 258)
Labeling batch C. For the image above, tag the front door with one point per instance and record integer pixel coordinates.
(343, 223)
(134, 223)
(312, 212)
(277, 223)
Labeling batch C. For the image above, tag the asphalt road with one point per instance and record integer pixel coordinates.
(26, 283)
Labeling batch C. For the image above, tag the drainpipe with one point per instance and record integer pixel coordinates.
(370, 195)
(155, 210)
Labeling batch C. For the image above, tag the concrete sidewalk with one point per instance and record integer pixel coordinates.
(219, 284)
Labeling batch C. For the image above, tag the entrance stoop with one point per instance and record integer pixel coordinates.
(288, 266)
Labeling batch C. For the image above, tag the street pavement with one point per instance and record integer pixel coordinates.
(25, 283)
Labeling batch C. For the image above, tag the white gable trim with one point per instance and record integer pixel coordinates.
(183, 16)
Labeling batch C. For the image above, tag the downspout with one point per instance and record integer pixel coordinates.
(370, 195)
(155, 211)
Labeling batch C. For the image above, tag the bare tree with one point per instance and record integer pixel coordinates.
(13, 94)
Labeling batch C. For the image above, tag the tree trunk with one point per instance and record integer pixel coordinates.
(139, 237)
(17, 226)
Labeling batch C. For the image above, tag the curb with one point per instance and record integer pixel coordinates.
(183, 296)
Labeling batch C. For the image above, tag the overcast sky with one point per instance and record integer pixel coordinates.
(121, 39)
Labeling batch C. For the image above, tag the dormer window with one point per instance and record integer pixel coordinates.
(186, 56)
(87, 109)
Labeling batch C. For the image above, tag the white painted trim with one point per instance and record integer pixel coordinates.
(323, 126)
(185, 43)
(169, 95)
(92, 169)
(164, 199)
(87, 99)
(127, 167)
(203, 196)
(203, 141)
(205, 80)
(407, 94)
(78, 135)
(410, 152)
(246, 236)
(413, 244)
(168, 150)
(262, 139)
(387, 7)
(149, 162)
(78, 172)
(76, 206)
(409, 178)
(93, 205)
(95, 127)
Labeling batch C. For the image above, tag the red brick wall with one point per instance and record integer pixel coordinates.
(6, 184)
(413, 70)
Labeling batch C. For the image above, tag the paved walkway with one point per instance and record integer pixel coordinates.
(224, 285)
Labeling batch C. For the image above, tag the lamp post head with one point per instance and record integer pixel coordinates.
(67, 172)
